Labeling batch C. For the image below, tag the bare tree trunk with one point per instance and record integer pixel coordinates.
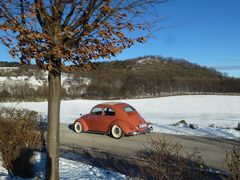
(54, 99)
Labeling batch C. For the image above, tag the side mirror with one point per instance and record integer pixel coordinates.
(80, 114)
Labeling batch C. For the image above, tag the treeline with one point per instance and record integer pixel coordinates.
(24, 92)
(8, 64)
(153, 76)
(149, 76)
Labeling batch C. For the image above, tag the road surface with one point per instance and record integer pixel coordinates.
(212, 150)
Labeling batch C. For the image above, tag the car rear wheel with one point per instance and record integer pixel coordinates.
(77, 127)
(116, 132)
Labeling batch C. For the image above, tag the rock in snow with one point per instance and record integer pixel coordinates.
(182, 122)
(193, 126)
(238, 127)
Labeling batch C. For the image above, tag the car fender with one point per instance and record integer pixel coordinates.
(124, 125)
(83, 123)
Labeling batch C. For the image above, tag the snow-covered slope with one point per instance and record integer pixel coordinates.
(15, 82)
(216, 116)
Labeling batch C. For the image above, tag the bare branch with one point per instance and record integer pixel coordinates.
(91, 7)
(68, 17)
(7, 13)
(43, 16)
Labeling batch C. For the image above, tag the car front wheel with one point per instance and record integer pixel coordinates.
(77, 127)
(116, 132)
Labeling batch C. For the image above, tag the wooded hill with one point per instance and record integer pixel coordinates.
(149, 76)
(153, 76)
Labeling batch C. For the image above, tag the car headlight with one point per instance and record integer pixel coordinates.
(142, 125)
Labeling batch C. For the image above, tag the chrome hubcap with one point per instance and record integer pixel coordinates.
(117, 131)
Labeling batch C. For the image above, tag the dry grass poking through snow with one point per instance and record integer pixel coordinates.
(233, 163)
(20, 135)
(162, 159)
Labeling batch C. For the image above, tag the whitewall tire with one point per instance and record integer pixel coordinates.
(116, 132)
(77, 127)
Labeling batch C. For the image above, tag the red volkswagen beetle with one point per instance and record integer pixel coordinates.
(113, 118)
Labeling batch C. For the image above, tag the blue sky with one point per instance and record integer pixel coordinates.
(207, 32)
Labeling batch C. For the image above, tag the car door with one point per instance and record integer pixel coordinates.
(109, 115)
(94, 120)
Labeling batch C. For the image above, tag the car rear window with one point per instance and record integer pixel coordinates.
(129, 109)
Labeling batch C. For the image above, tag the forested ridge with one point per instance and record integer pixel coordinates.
(149, 76)
(153, 76)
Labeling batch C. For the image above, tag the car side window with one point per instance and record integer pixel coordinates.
(109, 112)
(129, 109)
(97, 111)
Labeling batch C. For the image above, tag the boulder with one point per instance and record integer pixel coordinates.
(182, 122)
(193, 126)
(238, 127)
(212, 125)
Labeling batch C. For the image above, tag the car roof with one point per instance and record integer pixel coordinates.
(111, 103)
(115, 104)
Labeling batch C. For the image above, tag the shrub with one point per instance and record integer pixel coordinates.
(233, 163)
(20, 135)
(162, 159)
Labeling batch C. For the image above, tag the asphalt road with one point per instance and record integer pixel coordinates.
(212, 150)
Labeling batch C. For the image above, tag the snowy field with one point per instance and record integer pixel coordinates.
(215, 116)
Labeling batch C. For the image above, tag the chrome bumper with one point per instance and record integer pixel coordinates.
(150, 128)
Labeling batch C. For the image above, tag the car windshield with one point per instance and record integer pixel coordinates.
(97, 111)
(129, 109)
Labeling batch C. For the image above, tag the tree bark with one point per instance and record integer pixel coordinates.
(54, 99)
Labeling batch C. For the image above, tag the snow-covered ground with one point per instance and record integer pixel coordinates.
(68, 170)
(216, 116)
